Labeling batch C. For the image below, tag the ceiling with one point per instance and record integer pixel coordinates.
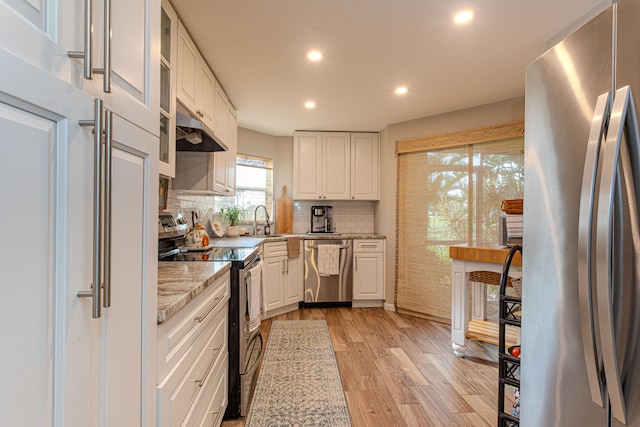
(258, 52)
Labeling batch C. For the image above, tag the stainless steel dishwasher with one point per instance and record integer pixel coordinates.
(328, 288)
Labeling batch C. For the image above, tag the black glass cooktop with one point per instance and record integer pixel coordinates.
(238, 255)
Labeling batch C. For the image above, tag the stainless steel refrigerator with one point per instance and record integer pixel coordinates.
(581, 244)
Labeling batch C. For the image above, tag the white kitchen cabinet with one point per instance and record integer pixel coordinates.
(193, 360)
(225, 161)
(200, 93)
(307, 166)
(135, 69)
(368, 272)
(282, 278)
(294, 276)
(127, 331)
(273, 280)
(196, 89)
(365, 166)
(232, 151)
(336, 166)
(168, 70)
(65, 367)
(321, 165)
(42, 32)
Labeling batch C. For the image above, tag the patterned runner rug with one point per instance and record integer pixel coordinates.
(299, 383)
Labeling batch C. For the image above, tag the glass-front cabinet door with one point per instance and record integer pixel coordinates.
(168, 42)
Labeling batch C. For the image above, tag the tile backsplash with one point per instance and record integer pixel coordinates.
(348, 216)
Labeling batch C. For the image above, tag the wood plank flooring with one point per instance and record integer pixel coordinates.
(399, 370)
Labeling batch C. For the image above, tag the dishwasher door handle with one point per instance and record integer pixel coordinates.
(341, 246)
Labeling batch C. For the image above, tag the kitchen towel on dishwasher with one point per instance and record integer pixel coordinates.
(328, 259)
(293, 247)
(255, 296)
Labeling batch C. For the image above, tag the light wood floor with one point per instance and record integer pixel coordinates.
(399, 370)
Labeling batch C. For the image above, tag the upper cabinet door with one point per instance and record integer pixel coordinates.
(187, 85)
(134, 71)
(337, 165)
(168, 61)
(365, 166)
(41, 32)
(207, 91)
(307, 166)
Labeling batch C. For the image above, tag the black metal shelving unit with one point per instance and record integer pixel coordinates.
(510, 307)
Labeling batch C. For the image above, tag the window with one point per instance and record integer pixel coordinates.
(449, 195)
(254, 187)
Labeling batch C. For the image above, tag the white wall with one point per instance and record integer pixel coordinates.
(470, 118)
(277, 148)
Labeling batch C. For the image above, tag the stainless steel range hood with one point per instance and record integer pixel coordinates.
(192, 135)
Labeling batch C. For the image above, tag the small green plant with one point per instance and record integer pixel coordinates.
(233, 214)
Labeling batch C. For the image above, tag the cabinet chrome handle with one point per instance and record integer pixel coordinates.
(108, 151)
(215, 303)
(86, 55)
(106, 55)
(586, 280)
(206, 374)
(94, 293)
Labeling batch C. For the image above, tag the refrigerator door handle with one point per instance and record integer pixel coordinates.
(586, 283)
(623, 116)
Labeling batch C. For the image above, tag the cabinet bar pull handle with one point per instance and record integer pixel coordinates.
(106, 71)
(206, 374)
(215, 303)
(97, 207)
(85, 55)
(108, 149)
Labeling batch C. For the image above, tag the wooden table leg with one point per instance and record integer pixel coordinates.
(460, 308)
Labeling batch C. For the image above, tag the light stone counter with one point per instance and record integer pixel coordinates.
(181, 281)
(252, 241)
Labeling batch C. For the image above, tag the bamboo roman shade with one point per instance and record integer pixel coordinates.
(449, 195)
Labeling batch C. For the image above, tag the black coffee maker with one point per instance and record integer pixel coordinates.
(321, 220)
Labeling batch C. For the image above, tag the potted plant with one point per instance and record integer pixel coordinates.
(232, 214)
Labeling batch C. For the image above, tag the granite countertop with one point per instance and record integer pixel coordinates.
(180, 282)
(252, 241)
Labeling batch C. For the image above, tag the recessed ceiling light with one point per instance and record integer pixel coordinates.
(401, 90)
(309, 105)
(463, 17)
(315, 55)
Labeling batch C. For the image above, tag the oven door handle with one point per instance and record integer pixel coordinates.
(251, 346)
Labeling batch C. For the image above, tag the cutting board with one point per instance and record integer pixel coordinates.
(284, 213)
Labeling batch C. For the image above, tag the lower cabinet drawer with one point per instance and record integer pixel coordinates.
(212, 401)
(368, 245)
(272, 249)
(187, 380)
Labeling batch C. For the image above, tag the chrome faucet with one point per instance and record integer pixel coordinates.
(266, 222)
